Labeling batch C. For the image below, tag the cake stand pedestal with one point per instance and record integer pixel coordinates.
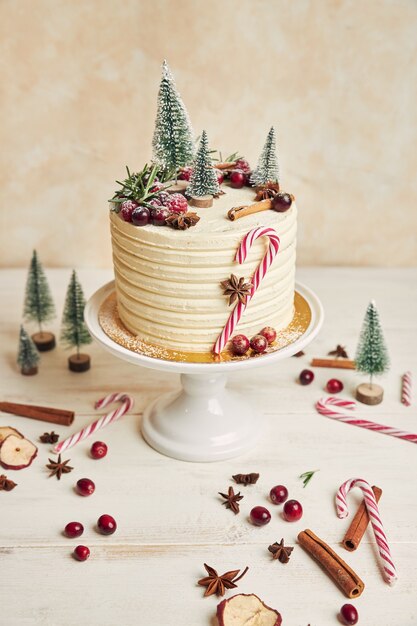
(204, 420)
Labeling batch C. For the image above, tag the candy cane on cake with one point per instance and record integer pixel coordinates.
(390, 573)
(126, 406)
(324, 405)
(406, 389)
(241, 254)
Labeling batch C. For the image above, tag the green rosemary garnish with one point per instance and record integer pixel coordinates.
(307, 476)
(137, 186)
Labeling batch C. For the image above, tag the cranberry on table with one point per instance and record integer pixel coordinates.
(159, 216)
(141, 216)
(278, 494)
(240, 345)
(81, 553)
(260, 516)
(269, 333)
(281, 202)
(306, 377)
(334, 385)
(259, 344)
(349, 614)
(237, 179)
(293, 511)
(106, 524)
(85, 487)
(98, 450)
(73, 529)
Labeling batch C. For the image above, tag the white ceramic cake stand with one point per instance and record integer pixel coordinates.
(204, 420)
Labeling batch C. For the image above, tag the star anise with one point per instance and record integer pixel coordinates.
(218, 584)
(51, 437)
(299, 353)
(280, 552)
(6, 484)
(182, 221)
(339, 352)
(59, 467)
(264, 192)
(246, 479)
(232, 500)
(236, 289)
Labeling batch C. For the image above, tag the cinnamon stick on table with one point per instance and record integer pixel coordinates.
(349, 582)
(359, 524)
(345, 364)
(42, 413)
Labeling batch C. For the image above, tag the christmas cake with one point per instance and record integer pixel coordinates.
(203, 247)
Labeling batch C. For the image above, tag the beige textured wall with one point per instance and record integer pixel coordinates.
(337, 78)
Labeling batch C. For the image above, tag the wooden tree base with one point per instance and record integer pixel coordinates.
(44, 341)
(29, 371)
(369, 394)
(201, 202)
(79, 362)
(177, 187)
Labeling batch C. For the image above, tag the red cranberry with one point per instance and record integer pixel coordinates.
(281, 202)
(259, 344)
(260, 516)
(73, 529)
(98, 450)
(85, 487)
(278, 494)
(163, 197)
(159, 216)
(237, 179)
(306, 377)
(155, 202)
(220, 176)
(243, 165)
(293, 511)
(126, 209)
(269, 333)
(156, 187)
(240, 345)
(81, 553)
(349, 614)
(106, 524)
(185, 173)
(334, 385)
(141, 216)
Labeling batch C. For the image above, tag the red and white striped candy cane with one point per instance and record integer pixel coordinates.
(390, 573)
(241, 254)
(406, 389)
(324, 407)
(126, 406)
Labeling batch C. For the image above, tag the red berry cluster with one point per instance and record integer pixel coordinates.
(292, 512)
(333, 385)
(258, 343)
(106, 525)
(162, 206)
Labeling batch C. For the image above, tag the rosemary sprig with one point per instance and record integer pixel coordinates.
(307, 476)
(136, 187)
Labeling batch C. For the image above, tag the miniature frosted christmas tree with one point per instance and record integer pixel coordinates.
(74, 333)
(39, 306)
(27, 357)
(267, 170)
(371, 356)
(173, 139)
(203, 182)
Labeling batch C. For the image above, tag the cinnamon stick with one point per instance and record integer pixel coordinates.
(42, 413)
(248, 209)
(359, 524)
(345, 364)
(226, 165)
(348, 581)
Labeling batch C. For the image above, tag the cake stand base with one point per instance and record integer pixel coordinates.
(204, 421)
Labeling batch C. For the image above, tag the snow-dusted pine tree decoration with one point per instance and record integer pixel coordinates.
(371, 354)
(74, 332)
(173, 139)
(203, 181)
(267, 170)
(39, 306)
(27, 357)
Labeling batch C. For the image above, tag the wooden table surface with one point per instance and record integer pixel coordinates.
(170, 518)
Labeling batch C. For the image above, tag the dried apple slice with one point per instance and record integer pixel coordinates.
(5, 431)
(246, 610)
(17, 453)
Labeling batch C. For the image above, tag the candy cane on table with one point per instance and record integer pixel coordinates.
(406, 389)
(126, 406)
(241, 254)
(390, 573)
(324, 405)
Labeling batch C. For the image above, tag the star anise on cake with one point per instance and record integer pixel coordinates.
(51, 437)
(339, 352)
(264, 192)
(6, 484)
(59, 467)
(237, 289)
(218, 584)
(280, 552)
(182, 221)
(231, 500)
